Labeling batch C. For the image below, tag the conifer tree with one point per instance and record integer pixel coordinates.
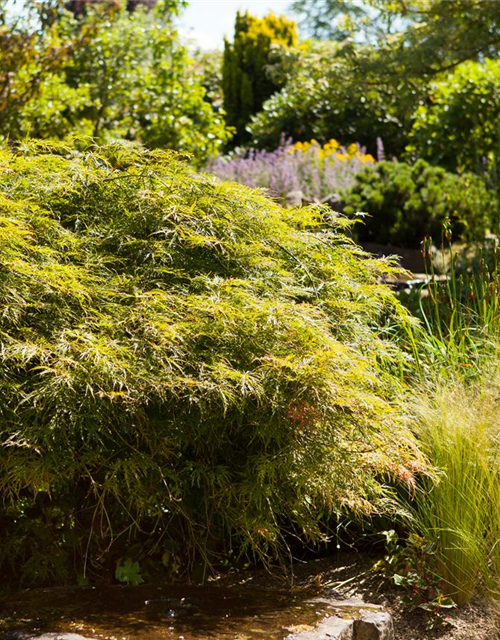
(246, 83)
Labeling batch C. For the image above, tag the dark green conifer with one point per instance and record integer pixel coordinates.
(246, 83)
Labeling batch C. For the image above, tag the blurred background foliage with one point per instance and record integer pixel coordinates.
(108, 73)
(245, 80)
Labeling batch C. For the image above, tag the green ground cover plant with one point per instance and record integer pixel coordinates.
(411, 565)
(188, 370)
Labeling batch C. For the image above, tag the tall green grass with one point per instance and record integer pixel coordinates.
(456, 408)
(460, 316)
(458, 424)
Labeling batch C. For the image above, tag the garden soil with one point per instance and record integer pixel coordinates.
(350, 575)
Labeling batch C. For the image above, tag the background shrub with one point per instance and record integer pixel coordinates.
(458, 127)
(108, 74)
(409, 202)
(325, 95)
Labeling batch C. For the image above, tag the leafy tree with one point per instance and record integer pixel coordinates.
(186, 367)
(327, 95)
(377, 82)
(407, 44)
(78, 7)
(416, 37)
(458, 127)
(246, 82)
(27, 56)
(340, 19)
(208, 66)
(119, 75)
(445, 33)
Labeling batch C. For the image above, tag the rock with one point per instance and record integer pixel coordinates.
(351, 620)
(373, 625)
(294, 198)
(298, 198)
(333, 628)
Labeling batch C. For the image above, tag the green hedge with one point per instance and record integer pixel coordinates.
(187, 369)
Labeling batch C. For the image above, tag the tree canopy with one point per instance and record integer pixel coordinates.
(246, 80)
(424, 36)
(107, 73)
(458, 127)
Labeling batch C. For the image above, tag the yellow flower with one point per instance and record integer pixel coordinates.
(333, 149)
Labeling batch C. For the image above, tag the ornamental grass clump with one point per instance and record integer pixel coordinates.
(457, 425)
(456, 403)
(188, 371)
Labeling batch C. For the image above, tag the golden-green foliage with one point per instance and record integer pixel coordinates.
(185, 366)
(459, 432)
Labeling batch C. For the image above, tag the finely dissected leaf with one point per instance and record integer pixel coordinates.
(183, 360)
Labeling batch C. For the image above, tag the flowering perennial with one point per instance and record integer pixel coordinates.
(320, 172)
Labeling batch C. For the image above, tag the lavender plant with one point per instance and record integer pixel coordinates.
(319, 172)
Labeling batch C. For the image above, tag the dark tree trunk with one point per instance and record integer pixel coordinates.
(132, 4)
(78, 6)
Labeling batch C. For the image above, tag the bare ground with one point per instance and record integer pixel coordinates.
(349, 575)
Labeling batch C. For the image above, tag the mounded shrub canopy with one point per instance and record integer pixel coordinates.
(186, 367)
(407, 203)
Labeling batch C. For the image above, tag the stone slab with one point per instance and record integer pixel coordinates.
(350, 620)
(332, 628)
(373, 625)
